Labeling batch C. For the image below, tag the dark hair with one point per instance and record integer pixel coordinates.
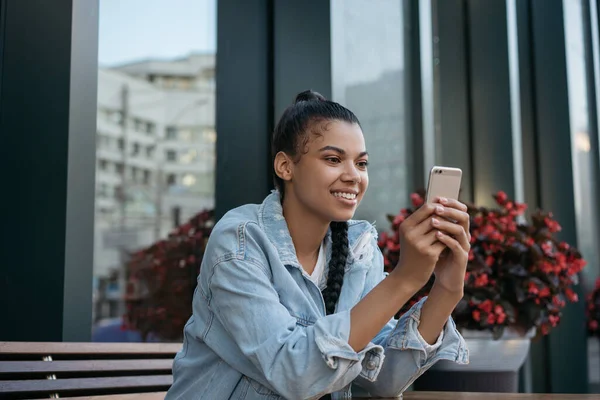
(291, 135)
(292, 131)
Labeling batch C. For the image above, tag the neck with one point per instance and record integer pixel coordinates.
(306, 229)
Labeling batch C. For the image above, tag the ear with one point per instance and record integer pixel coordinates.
(284, 166)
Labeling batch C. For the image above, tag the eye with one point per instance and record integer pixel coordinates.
(333, 160)
(362, 164)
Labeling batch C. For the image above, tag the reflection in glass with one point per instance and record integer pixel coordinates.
(584, 174)
(369, 78)
(155, 168)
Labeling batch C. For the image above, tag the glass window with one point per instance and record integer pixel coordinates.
(576, 18)
(155, 78)
(171, 132)
(367, 40)
(171, 155)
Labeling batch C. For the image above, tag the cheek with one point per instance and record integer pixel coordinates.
(364, 182)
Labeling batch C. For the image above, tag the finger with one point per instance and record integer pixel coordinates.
(452, 203)
(421, 230)
(437, 248)
(452, 243)
(430, 238)
(423, 213)
(455, 230)
(454, 214)
(457, 216)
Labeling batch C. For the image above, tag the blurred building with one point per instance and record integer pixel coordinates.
(155, 160)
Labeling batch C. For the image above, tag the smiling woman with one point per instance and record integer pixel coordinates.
(292, 302)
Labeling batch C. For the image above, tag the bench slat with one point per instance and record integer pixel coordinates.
(134, 396)
(52, 348)
(65, 385)
(19, 367)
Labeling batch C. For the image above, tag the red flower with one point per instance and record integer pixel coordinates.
(392, 246)
(556, 300)
(547, 247)
(398, 220)
(546, 267)
(471, 254)
(382, 239)
(501, 319)
(552, 225)
(545, 329)
(481, 280)
(593, 325)
(533, 289)
(545, 292)
(501, 197)
(509, 252)
(486, 306)
(416, 199)
(520, 208)
(571, 295)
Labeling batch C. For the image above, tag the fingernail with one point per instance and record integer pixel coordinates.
(439, 209)
(434, 221)
(443, 200)
(439, 233)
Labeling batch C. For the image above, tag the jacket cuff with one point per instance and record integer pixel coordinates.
(406, 336)
(332, 334)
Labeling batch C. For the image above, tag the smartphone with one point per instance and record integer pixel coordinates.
(443, 182)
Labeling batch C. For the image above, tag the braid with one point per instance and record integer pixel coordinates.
(337, 265)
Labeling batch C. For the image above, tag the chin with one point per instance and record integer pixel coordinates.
(343, 216)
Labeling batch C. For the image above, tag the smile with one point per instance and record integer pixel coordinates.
(344, 195)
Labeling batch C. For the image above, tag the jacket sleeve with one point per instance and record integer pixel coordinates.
(406, 355)
(298, 361)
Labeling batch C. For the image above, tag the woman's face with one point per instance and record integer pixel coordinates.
(330, 178)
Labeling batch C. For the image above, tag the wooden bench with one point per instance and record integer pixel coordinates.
(100, 371)
(133, 371)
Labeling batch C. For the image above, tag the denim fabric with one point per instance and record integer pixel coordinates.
(259, 329)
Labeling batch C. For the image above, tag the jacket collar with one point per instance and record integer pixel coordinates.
(272, 222)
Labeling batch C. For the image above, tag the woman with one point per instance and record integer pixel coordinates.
(291, 299)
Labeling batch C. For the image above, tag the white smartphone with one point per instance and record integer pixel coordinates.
(443, 182)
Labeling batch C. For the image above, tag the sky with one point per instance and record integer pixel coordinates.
(138, 29)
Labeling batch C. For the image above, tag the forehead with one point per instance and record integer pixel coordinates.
(336, 133)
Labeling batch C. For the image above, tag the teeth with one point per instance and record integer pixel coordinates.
(349, 196)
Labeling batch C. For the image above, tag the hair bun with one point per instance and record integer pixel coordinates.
(309, 95)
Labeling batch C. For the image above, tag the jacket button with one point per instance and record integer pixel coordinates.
(371, 365)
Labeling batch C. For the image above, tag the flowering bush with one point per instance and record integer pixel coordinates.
(518, 275)
(162, 280)
(593, 311)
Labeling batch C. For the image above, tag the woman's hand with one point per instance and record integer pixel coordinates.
(420, 248)
(452, 264)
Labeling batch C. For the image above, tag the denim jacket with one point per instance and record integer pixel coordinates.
(259, 328)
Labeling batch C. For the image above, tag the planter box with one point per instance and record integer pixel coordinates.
(493, 367)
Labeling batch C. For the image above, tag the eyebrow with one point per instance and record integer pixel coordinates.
(341, 151)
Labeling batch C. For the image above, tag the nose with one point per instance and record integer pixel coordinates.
(351, 174)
